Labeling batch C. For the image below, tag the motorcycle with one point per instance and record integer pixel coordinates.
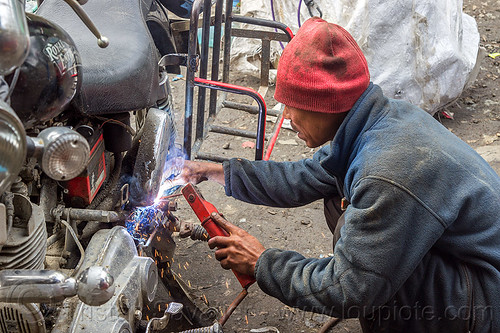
(86, 133)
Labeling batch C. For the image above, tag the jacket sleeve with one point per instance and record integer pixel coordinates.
(387, 233)
(279, 184)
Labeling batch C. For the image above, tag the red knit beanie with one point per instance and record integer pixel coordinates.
(322, 69)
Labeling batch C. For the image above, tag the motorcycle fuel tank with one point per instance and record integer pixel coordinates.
(49, 77)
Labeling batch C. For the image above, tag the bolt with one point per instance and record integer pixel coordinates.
(138, 314)
(172, 206)
(191, 198)
(124, 304)
(211, 313)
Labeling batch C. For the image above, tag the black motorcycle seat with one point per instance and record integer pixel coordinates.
(123, 76)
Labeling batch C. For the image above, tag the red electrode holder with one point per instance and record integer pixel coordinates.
(203, 210)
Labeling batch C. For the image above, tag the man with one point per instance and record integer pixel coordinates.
(418, 243)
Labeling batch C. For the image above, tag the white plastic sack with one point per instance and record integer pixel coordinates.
(423, 51)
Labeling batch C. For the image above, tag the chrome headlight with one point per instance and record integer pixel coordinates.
(14, 35)
(65, 154)
(12, 145)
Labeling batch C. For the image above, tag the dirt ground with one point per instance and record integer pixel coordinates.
(476, 120)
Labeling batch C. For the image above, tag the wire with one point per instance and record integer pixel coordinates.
(274, 19)
(77, 241)
(298, 13)
(105, 120)
(329, 324)
(13, 83)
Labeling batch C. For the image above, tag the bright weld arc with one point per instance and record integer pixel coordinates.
(143, 220)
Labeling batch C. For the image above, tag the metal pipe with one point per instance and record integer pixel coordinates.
(102, 41)
(261, 122)
(94, 286)
(54, 238)
(34, 147)
(192, 65)
(79, 214)
(35, 286)
(211, 157)
(227, 40)
(205, 43)
(232, 131)
(265, 63)
(260, 34)
(212, 110)
(248, 108)
(264, 23)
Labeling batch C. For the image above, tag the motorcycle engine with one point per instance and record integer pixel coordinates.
(23, 247)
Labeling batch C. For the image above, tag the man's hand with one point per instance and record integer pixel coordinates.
(196, 172)
(239, 251)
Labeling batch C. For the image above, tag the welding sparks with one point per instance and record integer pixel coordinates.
(142, 222)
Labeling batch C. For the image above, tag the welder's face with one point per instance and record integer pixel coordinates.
(315, 128)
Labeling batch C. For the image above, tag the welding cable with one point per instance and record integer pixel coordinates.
(298, 13)
(329, 324)
(272, 142)
(105, 120)
(241, 296)
(274, 19)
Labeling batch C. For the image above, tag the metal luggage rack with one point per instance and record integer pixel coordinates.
(193, 62)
